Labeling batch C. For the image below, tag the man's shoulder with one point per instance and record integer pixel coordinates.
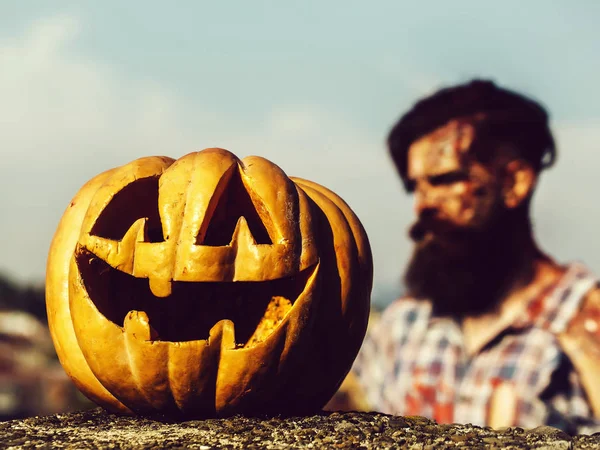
(577, 272)
(586, 319)
(577, 289)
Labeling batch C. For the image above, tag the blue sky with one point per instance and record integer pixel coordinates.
(314, 86)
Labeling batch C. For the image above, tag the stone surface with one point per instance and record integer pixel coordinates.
(98, 429)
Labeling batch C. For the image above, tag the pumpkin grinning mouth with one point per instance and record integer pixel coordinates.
(255, 307)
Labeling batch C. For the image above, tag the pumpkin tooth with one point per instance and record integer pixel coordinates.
(224, 332)
(160, 288)
(137, 324)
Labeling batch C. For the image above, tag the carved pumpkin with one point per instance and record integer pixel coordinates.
(207, 286)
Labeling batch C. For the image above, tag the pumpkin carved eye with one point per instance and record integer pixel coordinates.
(203, 286)
(136, 200)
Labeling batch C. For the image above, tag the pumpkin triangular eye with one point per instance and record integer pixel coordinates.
(136, 200)
(233, 203)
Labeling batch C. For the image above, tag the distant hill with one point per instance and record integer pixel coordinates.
(384, 294)
(23, 297)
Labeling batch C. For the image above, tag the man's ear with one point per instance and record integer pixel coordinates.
(518, 184)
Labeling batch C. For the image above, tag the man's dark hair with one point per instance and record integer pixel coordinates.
(510, 117)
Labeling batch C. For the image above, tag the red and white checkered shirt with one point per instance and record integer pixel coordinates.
(413, 363)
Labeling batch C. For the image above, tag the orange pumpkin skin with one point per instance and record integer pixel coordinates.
(207, 286)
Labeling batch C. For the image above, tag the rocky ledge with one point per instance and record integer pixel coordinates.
(97, 429)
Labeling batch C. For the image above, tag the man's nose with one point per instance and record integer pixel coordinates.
(425, 206)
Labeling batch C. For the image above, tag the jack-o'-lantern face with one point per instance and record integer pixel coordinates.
(198, 244)
(203, 285)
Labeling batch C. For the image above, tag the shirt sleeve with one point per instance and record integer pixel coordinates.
(580, 342)
(570, 410)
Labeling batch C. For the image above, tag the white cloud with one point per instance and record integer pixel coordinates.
(60, 106)
(63, 119)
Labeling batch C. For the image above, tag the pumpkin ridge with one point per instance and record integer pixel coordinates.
(341, 259)
(134, 370)
(57, 298)
(108, 335)
(186, 208)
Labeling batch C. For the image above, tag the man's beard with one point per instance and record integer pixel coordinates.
(463, 272)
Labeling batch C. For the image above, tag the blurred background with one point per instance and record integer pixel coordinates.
(313, 86)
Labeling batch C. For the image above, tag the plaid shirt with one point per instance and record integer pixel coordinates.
(413, 363)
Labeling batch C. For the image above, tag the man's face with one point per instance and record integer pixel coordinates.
(450, 186)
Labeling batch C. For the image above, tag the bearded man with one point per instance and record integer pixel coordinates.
(492, 331)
